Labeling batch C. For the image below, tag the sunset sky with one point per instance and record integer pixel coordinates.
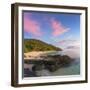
(59, 29)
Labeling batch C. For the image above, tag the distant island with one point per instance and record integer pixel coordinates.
(38, 45)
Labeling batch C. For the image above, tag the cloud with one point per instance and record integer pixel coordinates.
(70, 47)
(31, 26)
(69, 42)
(58, 28)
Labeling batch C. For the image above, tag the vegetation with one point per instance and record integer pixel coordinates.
(37, 45)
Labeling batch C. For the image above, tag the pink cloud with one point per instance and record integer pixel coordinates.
(32, 26)
(58, 28)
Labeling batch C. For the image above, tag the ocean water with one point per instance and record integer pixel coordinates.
(73, 69)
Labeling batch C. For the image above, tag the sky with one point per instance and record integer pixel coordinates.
(59, 29)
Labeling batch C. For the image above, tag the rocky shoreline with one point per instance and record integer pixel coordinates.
(49, 62)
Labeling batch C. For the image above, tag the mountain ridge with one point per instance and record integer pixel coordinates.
(38, 45)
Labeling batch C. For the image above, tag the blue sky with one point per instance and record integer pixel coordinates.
(52, 28)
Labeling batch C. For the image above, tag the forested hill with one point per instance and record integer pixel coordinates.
(37, 45)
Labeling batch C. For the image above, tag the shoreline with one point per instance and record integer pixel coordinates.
(37, 54)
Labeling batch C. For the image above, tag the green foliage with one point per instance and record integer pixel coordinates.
(37, 45)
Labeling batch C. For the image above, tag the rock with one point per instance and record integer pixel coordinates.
(38, 67)
(28, 73)
(50, 63)
(43, 72)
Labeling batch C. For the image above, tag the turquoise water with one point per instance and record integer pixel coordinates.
(71, 70)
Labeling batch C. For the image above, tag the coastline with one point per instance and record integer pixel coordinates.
(37, 54)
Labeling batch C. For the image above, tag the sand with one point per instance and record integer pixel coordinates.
(36, 54)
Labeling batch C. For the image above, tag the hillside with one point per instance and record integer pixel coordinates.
(37, 45)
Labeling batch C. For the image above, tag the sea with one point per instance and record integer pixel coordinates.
(73, 69)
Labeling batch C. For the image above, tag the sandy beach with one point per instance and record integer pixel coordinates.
(37, 54)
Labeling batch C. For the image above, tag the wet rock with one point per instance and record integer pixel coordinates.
(50, 63)
(28, 73)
